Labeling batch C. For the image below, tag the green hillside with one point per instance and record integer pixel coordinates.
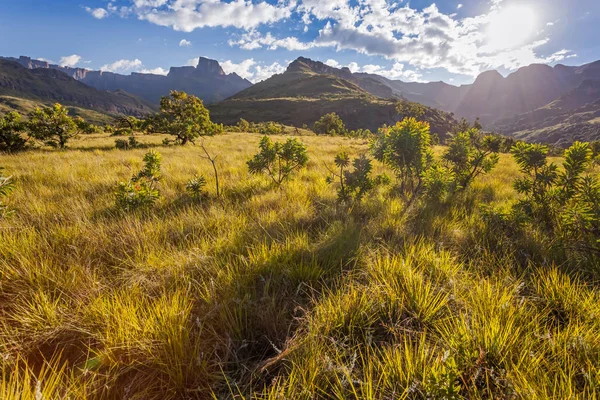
(307, 91)
(49, 86)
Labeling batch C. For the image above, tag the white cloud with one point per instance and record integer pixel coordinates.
(251, 70)
(254, 40)
(98, 13)
(425, 39)
(188, 15)
(70, 61)
(459, 6)
(155, 71)
(122, 66)
(185, 43)
(192, 62)
(396, 72)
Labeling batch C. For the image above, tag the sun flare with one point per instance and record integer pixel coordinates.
(511, 27)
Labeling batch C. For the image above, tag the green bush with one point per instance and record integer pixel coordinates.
(11, 133)
(52, 125)
(130, 143)
(471, 154)
(195, 187)
(278, 160)
(141, 191)
(330, 124)
(353, 185)
(406, 149)
(565, 203)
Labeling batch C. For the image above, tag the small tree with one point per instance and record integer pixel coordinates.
(329, 124)
(278, 160)
(471, 154)
(52, 125)
(11, 128)
(406, 149)
(141, 190)
(185, 117)
(355, 184)
(6, 187)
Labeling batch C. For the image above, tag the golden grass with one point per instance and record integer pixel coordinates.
(268, 293)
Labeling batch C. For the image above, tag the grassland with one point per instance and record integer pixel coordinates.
(279, 294)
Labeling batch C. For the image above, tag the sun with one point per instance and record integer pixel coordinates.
(511, 27)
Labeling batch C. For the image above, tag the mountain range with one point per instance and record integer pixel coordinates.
(207, 80)
(537, 103)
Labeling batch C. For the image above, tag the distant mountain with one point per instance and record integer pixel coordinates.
(573, 116)
(207, 80)
(50, 85)
(309, 89)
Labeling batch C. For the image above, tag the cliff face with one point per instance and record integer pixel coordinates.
(207, 80)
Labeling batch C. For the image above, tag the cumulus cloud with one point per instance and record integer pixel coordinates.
(251, 70)
(185, 43)
(98, 13)
(255, 40)
(122, 66)
(396, 72)
(419, 38)
(425, 39)
(188, 15)
(70, 61)
(155, 71)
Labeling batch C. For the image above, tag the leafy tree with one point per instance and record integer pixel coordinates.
(141, 190)
(471, 154)
(438, 182)
(329, 124)
(84, 126)
(53, 125)
(185, 117)
(11, 128)
(278, 160)
(6, 187)
(406, 149)
(243, 125)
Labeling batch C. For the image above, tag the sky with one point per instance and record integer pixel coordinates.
(419, 40)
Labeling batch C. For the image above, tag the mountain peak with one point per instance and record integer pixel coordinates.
(206, 66)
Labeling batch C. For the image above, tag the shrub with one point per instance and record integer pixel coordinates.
(471, 154)
(85, 127)
(130, 143)
(278, 160)
(52, 125)
(11, 128)
(270, 128)
(185, 117)
(195, 187)
(355, 184)
(406, 149)
(329, 124)
(438, 182)
(566, 203)
(6, 186)
(141, 190)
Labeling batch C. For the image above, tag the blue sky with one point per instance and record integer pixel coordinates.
(418, 40)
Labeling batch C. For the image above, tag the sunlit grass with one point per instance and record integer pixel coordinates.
(268, 293)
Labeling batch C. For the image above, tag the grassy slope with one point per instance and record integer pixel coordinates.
(278, 293)
(298, 98)
(25, 106)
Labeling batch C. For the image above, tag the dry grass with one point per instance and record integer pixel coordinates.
(270, 293)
